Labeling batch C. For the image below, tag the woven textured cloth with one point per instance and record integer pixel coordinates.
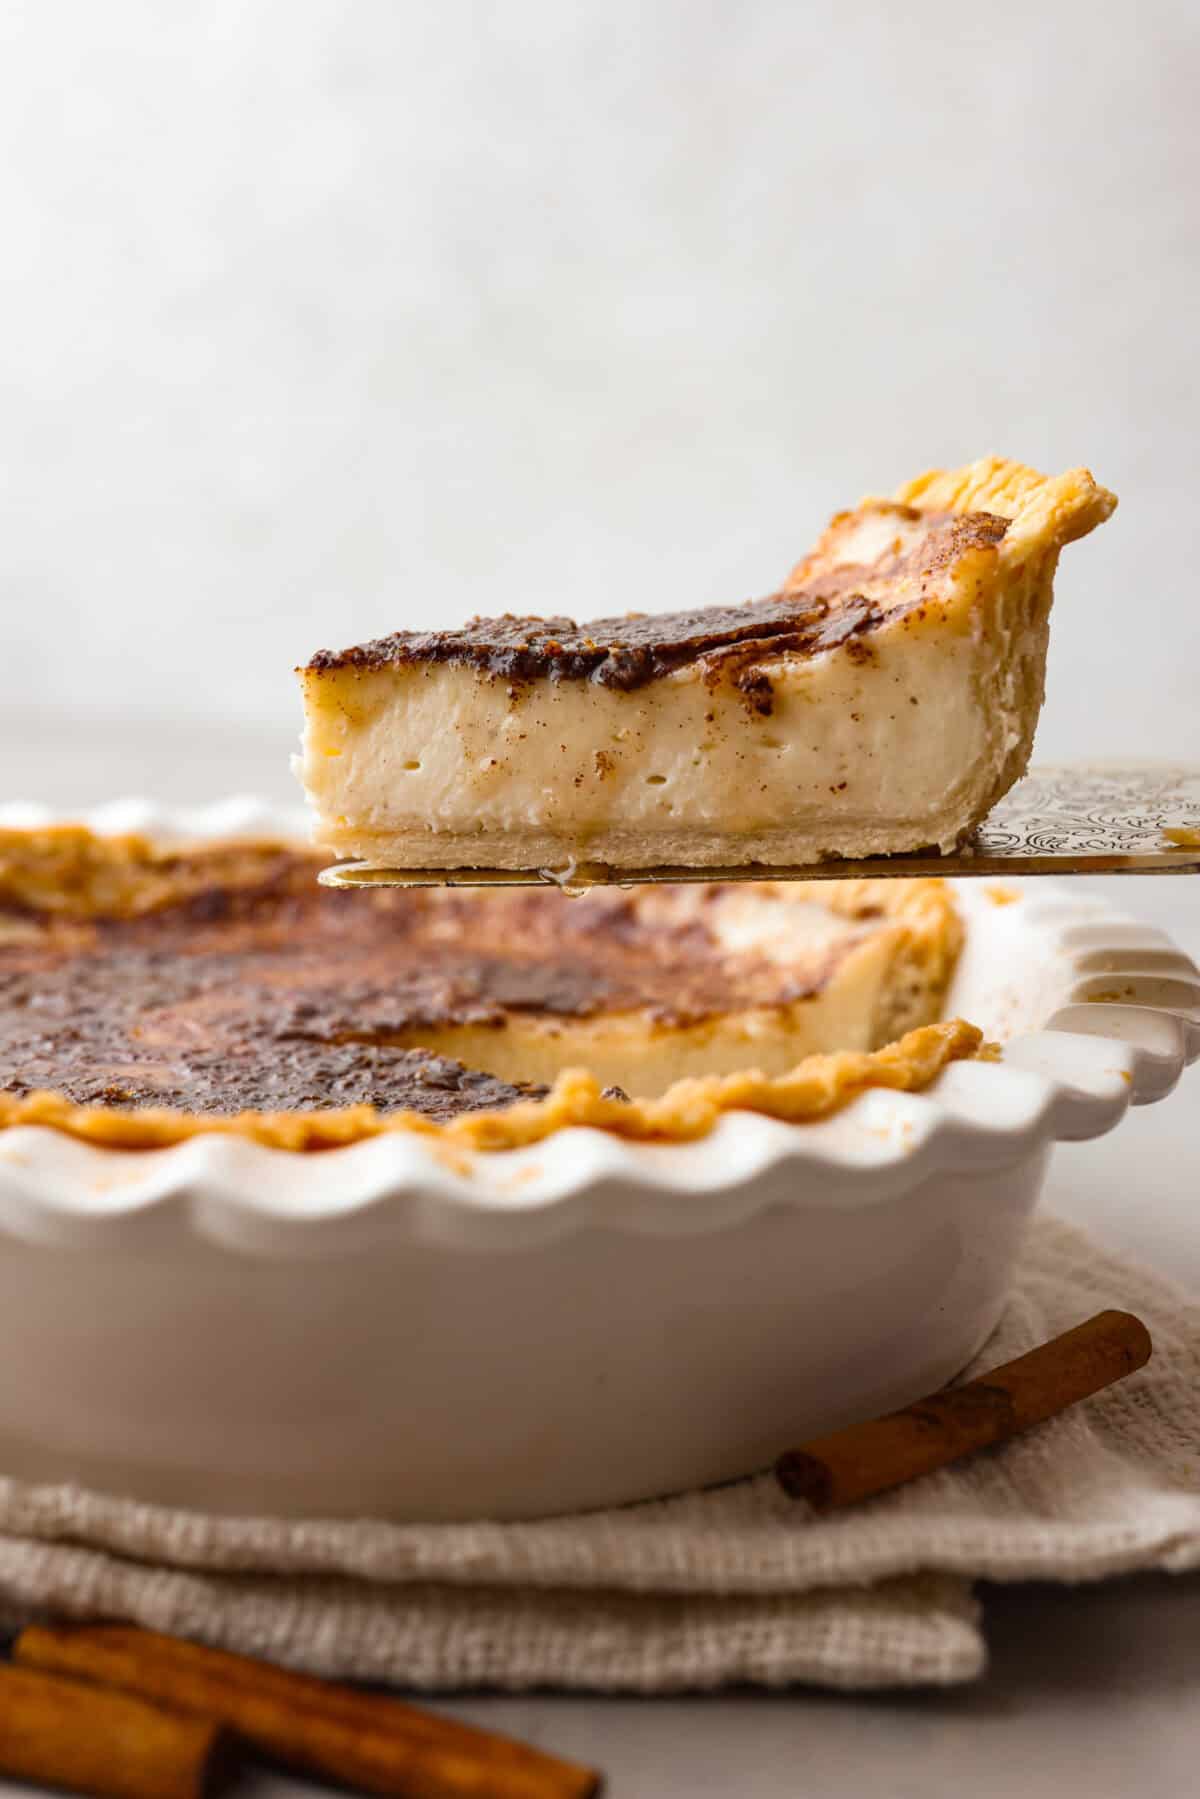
(733, 1584)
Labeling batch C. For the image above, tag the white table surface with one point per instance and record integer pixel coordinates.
(1091, 1691)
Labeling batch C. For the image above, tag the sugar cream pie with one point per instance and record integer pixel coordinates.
(148, 993)
(881, 702)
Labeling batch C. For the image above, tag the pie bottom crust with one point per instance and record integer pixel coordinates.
(560, 853)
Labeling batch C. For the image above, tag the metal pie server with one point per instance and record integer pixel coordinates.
(1097, 820)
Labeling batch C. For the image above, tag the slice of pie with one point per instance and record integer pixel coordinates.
(882, 701)
(149, 993)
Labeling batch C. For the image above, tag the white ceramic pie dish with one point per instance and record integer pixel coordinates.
(369, 1332)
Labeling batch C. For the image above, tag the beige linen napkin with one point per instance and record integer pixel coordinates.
(734, 1584)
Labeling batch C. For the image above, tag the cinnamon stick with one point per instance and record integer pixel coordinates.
(65, 1733)
(870, 1458)
(368, 1741)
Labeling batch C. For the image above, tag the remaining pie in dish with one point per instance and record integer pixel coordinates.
(881, 702)
(147, 993)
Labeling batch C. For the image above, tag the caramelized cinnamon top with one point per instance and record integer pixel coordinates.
(228, 979)
(824, 604)
(625, 652)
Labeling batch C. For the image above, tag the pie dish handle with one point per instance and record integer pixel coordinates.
(1104, 1053)
(1162, 1042)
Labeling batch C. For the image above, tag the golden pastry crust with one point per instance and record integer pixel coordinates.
(955, 541)
(1044, 511)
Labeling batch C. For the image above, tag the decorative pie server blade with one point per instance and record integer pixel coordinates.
(1057, 821)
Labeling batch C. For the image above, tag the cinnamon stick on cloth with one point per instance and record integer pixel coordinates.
(369, 1741)
(64, 1733)
(870, 1458)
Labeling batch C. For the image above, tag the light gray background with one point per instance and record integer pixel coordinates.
(322, 318)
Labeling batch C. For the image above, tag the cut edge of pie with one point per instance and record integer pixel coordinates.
(881, 702)
(71, 877)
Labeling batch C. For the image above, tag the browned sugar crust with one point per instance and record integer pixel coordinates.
(225, 1000)
(234, 982)
(630, 650)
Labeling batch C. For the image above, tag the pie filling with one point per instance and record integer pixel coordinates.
(146, 993)
(882, 701)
